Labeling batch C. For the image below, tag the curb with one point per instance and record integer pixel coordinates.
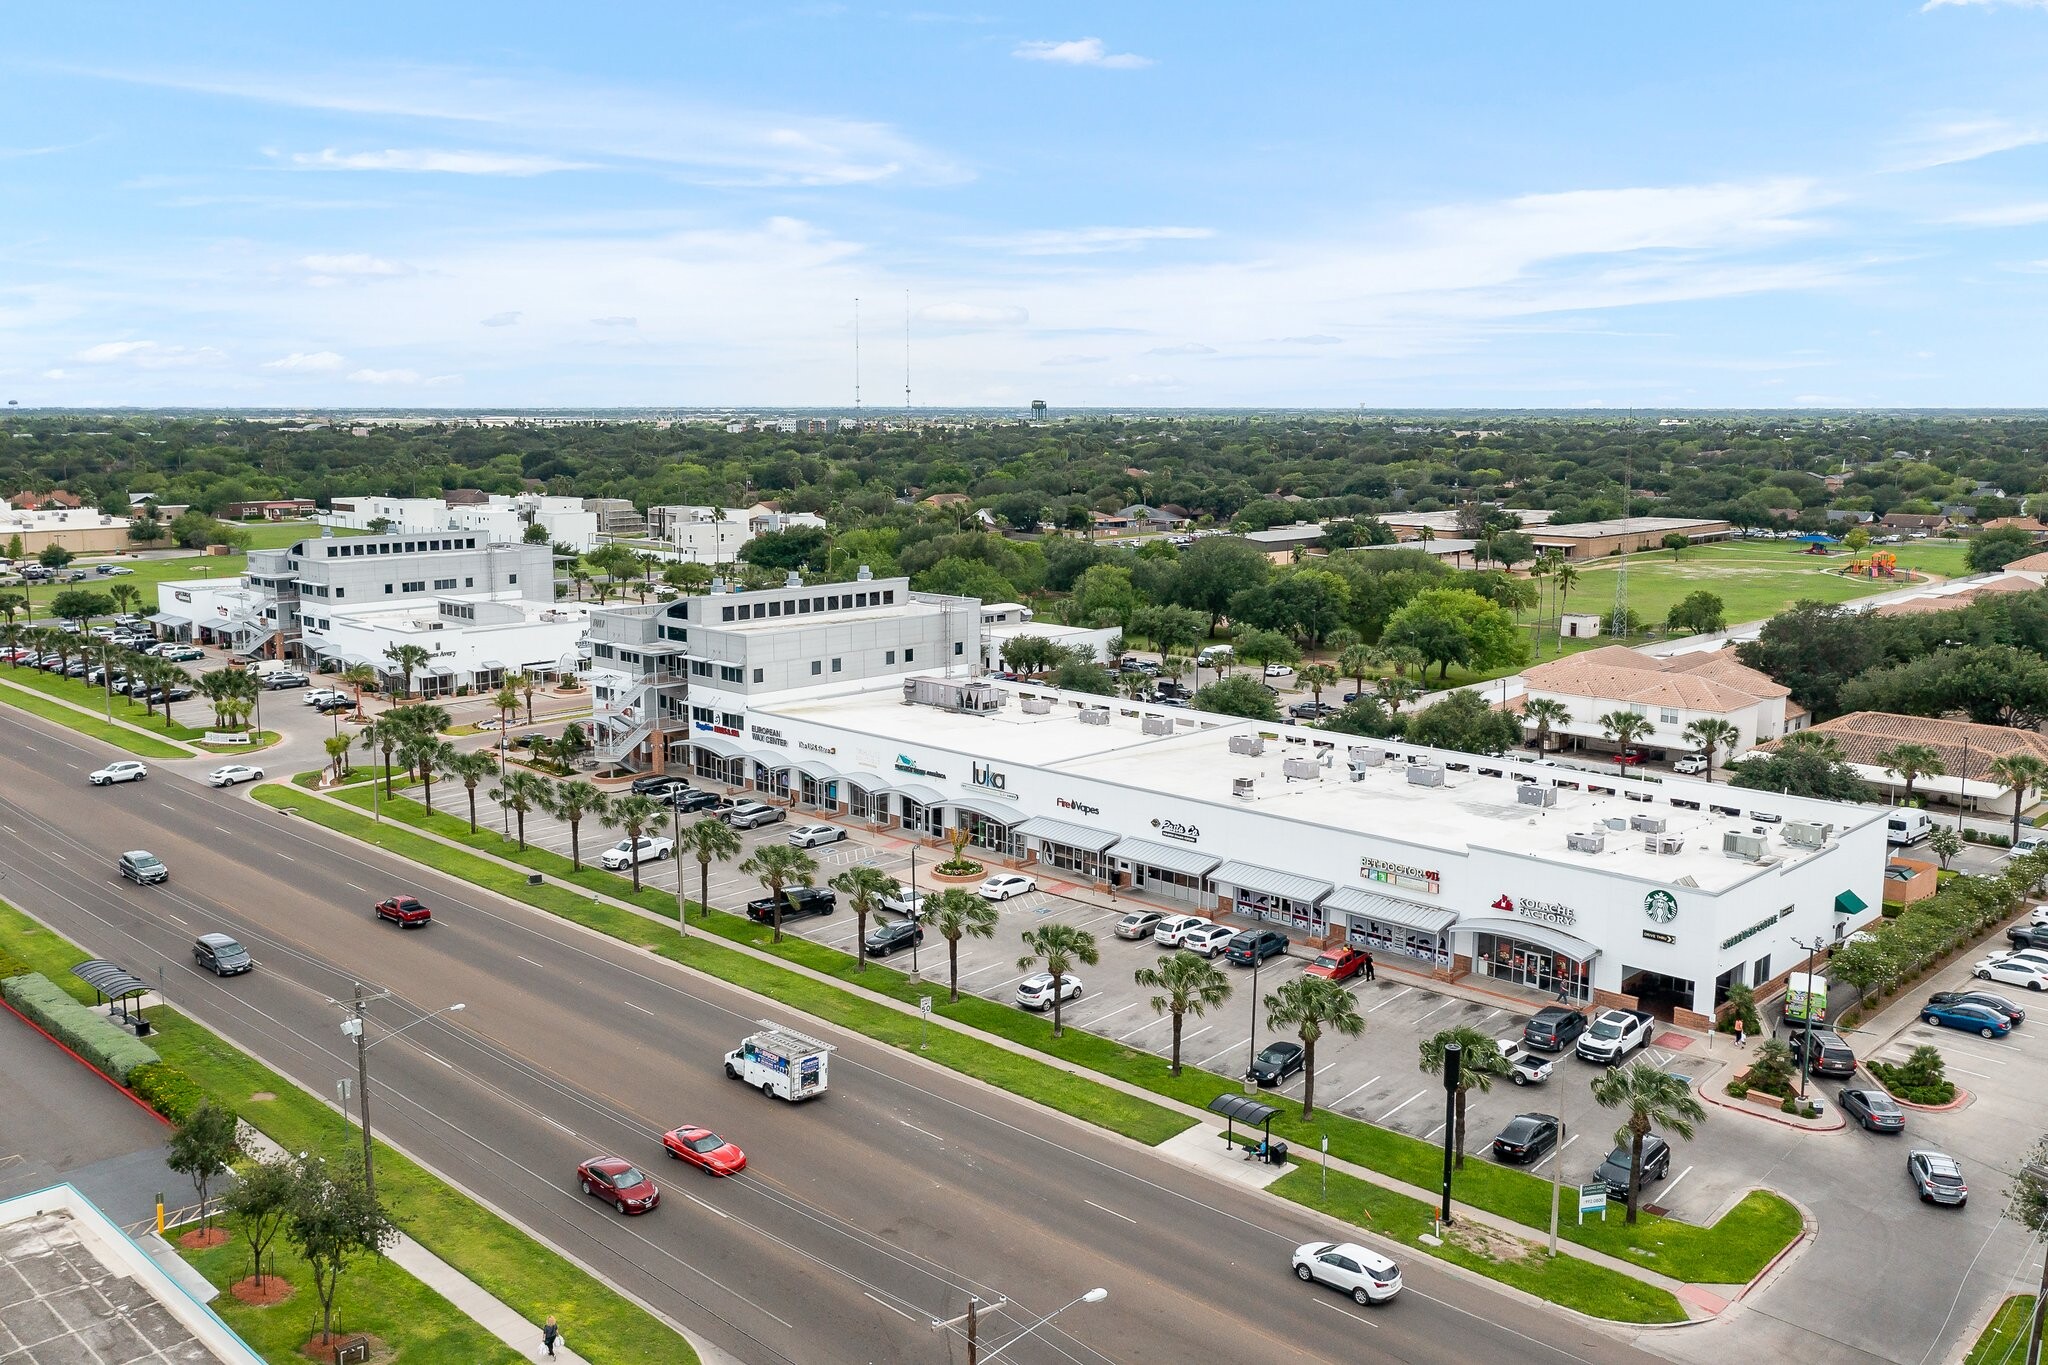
(1837, 1125)
(132, 1097)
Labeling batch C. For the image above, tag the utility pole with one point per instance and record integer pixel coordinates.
(971, 1320)
(1454, 1058)
(1813, 951)
(363, 1087)
(2035, 1332)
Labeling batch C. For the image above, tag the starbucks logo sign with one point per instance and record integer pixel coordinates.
(1661, 906)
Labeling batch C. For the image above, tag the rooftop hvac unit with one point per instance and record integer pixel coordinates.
(1157, 725)
(1367, 758)
(1247, 744)
(951, 694)
(1614, 822)
(1301, 768)
(1664, 843)
(1095, 715)
(1750, 846)
(1586, 841)
(1036, 706)
(1529, 794)
(1807, 834)
(1646, 824)
(1241, 788)
(1425, 775)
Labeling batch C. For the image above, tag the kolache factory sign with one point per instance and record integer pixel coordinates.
(1544, 912)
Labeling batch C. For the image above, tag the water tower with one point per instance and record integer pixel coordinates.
(1038, 408)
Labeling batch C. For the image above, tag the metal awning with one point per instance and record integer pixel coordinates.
(918, 792)
(867, 782)
(1571, 945)
(1084, 837)
(1355, 901)
(720, 745)
(1243, 1109)
(1268, 882)
(440, 670)
(165, 618)
(110, 980)
(1002, 812)
(491, 663)
(815, 770)
(1849, 903)
(1169, 857)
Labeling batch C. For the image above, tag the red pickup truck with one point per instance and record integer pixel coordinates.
(404, 911)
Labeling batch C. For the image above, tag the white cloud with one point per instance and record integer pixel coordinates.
(505, 319)
(615, 321)
(1985, 4)
(1184, 348)
(306, 362)
(149, 355)
(1074, 360)
(429, 159)
(975, 314)
(56, 374)
(1313, 339)
(2011, 215)
(1080, 52)
(1959, 140)
(355, 267)
(1090, 240)
(385, 376)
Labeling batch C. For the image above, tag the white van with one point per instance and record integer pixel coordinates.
(1907, 827)
(1215, 656)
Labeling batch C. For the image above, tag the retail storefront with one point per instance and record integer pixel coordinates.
(866, 797)
(1386, 925)
(719, 760)
(817, 784)
(1166, 871)
(991, 825)
(1077, 849)
(921, 808)
(1264, 893)
(1546, 960)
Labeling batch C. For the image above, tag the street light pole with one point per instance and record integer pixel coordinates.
(1251, 1054)
(1813, 950)
(1092, 1296)
(353, 1026)
(675, 826)
(916, 912)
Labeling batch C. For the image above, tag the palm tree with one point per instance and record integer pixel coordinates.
(520, 793)
(170, 676)
(1548, 713)
(1710, 735)
(471, 767)
(1309, 1005)
(14, 634)
(506, 699)
(408, 660)
(635, 815)
(1482, 1064)
(958, 913)
(12, 602)
(776, 866)
(572, 803)
(863, 888)
(709, 839)
(1059, 947)
(1567, 579)
(2022, 775)
(125, 596)
(1624, 728)
(1911, 762)
(427, 755)
(1354, 663)
(217, 687)
(1187, 985)
(337, 747)
(1316, 677)
(359, 676)
(1650, 1097)
(526, 684)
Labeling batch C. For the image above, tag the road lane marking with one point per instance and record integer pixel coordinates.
(1672, 1184)
(1349, 1093)
(1402, 1105)
(721, 1213)
(886, 1304)
(1391, 999)
(219, 830)
(357, 889)
(915, 1129)
(563, 1126)
(165, 804)
(642, 1008)
(286, 856)
(1111, 1212)
(1348, 1313)
(531, 963)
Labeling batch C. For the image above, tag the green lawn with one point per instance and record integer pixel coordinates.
(1754, 579)
(2005, 1340)
(82, 693)
(142, 746)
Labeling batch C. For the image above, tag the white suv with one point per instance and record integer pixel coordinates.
(1173, 928)
(126, 770)
(1208, 940)
(1365, 1275)
(1689, 764)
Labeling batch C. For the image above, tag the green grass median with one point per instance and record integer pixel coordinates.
(82, 693)
(2004, 1341)
(36, 704)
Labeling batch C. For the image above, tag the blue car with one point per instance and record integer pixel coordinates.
(1981, 1019)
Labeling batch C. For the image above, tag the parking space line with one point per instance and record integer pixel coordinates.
(1402, 1105)
(1213, 1056)
(991, 967)
(1569, 1141)
(1156, 1019)
(1430, 1136)
(1391, 999)
(1349, 1093)
(1444, 1006)
(1111, 1015)
(1664, 1195)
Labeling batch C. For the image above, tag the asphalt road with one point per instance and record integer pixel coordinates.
(862, 1216)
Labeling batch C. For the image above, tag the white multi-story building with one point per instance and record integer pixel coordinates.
(499, 518)
(1671, 693)
(714, 535)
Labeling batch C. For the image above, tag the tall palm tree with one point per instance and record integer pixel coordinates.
(1624, 728)
(169, 676)
(14, 634)
(635, 815)
(359, 676)
(12, 602)
(1548, 713)
(506, 699)
(863, 888)
(708, 840)
(1911, 762)
(1710, 736)
(471, 767)
(2022, 775)
(337, 747)
(1567, 579)
(125, 596)
(408, 659)
(426, 754)
(526, 684)
(1354, 663)
(1481, 1064)
(954, 914)
(1059, 947)
(1187, 985)
(574, 802)
(1316, 677)
(1651, 1098)
(777, 866)
(1540, 569)
(1309, 1005)
(218, 687)
(520, 792)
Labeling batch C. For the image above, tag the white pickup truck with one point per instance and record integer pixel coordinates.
(1529, 1066)
(1614, 1034)
(626, 852)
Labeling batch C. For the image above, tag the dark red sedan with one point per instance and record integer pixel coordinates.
(619, 1183)
(405, 911)
(704, 1148)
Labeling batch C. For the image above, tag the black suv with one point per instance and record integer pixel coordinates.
(1553, 1028)
(885, 939)
(657, 785)
(688, 799)
(1256, 945)
(1831, 1056)
(1613, 1172)
(796, 901)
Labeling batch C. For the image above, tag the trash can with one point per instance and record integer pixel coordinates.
(1276, 1155)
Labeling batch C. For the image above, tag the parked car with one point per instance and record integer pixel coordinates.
(657, 785)
(1277, 670)
(221, 955)
(689, 800)
(705, 1150)
(885, 939)
(1172, 928)
(1526, 1138)
(1830, 1056)
(406, 912)
(618, 1182)
(1656, 1165)
(1978, 1019)
(1873, 1110)
(122, 770)
(1034, 992)
(1138, 924)
(2011, 972)
(320, 696)
(797, 901)
(327, 706)
(648, 848)
(753, 814)
(1208, 940)
(1338, 964)
(284, 680)
(2005, 1006)
(1256, 945)
(1937, 1177)
(184, 654)
(230, 774)
(810, 836)
(1365, 1275)
(1004, 885)
(1275, 1063)
(2028, 935)
(1311, 710)
(2033, 957)
(1689, 764)
(143, 868)
(1553, 1028)
(904, 901)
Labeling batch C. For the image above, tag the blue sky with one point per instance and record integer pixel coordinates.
(1395, 204)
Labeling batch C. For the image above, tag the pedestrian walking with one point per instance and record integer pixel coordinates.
(551, 1335)
(1372, 973)
(1738, 1031)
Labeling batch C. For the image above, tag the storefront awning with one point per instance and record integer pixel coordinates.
(1849, 903)
(1002, 812)
(1354, 901)
(164, 618)
(918, 792)
(815, 770)
(1084, 837)
(1570, 945)
(489, 664)
(1167, 857)
(867, 782)
(720, 745)
(440, 670)
(1268, 882)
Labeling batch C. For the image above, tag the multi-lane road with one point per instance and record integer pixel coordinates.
(861, 1218)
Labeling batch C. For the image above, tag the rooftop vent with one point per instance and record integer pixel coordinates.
(1750, 846)
(1532, 795)
(1247, 744)
(1807, 834)
(1586, 841)
(1646, 824)
(1095, 715)
(1366, 758)
(1615, 823)
(1664, 843)
(1157, 725)
(718, 585)
(1036, 706)
(1241, 788)
(866, 575)
(1425, 775)
(1302, 768)
(973, 696)
(793, 580)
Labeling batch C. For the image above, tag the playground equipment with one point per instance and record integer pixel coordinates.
(1880, 564)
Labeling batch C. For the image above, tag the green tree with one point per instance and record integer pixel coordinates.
(1711, 736)
(1354, 663)
(1626, 729)
(1675, 541)
(956, 577)
(777, 867)
(333, 1221)
(633, 814)
(864, 887)
(258, 1202)
(407, 659)
(1991, 550)
(427, 755)
(1944, 843)
(202, 1149)
(1546, 714)
(2022, 775)
(1911, 762)
(520, 793)
(1857, 541)
(337, 747)
(1803, 764)
(1262, 647)
(1215, 569)
(53, 557)
(1239, 696)
(472, 768)
(1700, 613)
(1464, 722)
(125, 597)
(1060, 947)
(956, 913)
(574, 802)
(1316, 677)
(81, 605)
(1650, 1097)
(1078, 672)
(707, 840)
(1104, 595)
(1456, 625)
(1366, 716)
(1309, 1006)
(1187, 985)
(1480, 1066)
(358, 677)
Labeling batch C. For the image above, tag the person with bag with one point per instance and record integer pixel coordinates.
(551, 1336)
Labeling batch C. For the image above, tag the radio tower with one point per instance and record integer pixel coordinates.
(1618, 626)
(856, 356)
(906, 353)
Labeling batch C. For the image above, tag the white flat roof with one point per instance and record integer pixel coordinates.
(1008, 735)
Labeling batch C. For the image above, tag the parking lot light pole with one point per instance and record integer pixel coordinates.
(1251, 1047)
(675, 830)
(916, 913)
(1813, 950)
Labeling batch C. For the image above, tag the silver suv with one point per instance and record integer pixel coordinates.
(749, 814)
(142, 868)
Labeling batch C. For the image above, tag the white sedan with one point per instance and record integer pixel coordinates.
(2012, 972)
(1004, 885)
(234, 772)
(810, 836)
(127, 770)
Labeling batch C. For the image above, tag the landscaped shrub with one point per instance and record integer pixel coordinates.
(93, 1036)
(1740, 1004)
(1920, 1079)
(166, 1089)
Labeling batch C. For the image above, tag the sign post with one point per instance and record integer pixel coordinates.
(924, 1020)
(1592, 1199)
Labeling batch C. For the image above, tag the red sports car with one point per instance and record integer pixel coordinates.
(702, 1147)
(404, 911)
(619, 1183)
(1338, 964)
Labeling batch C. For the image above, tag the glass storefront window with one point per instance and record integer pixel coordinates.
(1274, 909)
(1535, 966)
(1399, 938)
